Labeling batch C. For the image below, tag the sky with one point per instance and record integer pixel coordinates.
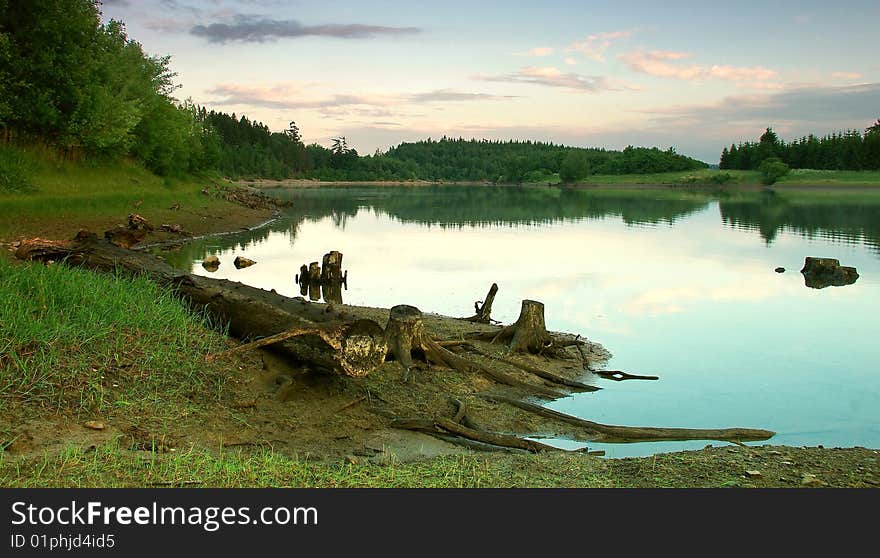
(695, 76)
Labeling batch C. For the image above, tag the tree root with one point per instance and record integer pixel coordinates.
(621, 434)
(446, 426)
(541, 373)
(483, 310)
(527, 334)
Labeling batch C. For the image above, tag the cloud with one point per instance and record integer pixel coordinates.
(846, 75)
(552, 77)
(570, 61)
(595, 46)
(537, 51)
(297, 96)
(662, 63)
(832, 106)
(448, 95)
(254, 29)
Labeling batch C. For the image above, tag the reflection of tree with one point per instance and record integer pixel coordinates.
(852, 219)
(447, 206)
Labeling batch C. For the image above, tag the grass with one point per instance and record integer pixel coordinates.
(111, 465)
(47, 191)
(76, 341)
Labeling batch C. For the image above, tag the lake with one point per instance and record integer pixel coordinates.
(675, 283)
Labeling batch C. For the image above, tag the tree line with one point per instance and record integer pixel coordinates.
(85, 87)
(847, 150)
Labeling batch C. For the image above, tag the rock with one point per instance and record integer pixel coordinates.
(241, 262)
(94, 425)
(352, 460)
(754, 474)
(174, 229)
(125, 237)
(137, 222)
(823, 272)
(779, 270)
(211, 263)
(809, 479)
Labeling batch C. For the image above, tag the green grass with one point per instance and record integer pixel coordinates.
(111, 465)
(831, 178)
(75, 341)
(57, 191)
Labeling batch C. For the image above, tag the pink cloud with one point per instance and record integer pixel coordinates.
(846, 75)
(595, 46)
(537, 51)
(661, 64)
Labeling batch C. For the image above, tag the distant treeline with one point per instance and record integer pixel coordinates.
(86, 88)
(849, 150)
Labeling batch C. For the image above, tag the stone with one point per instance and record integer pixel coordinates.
(779, 270)
(241, 262)
(754, 474)
(94, 425)
(824, 272)
(211, 263)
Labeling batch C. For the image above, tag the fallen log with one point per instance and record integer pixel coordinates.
(622, 434)
(250, 312)
(620, 375)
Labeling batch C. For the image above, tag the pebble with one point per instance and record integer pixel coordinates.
(754, 474)
(94, 425)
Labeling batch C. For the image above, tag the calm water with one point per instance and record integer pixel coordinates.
(676, 284)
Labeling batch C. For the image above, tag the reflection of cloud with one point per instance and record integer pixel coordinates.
(672, 300)
(254, 29)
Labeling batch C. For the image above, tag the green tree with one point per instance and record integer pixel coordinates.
(771, 170)
(574, 167)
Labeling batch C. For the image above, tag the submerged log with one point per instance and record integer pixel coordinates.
(250, 312)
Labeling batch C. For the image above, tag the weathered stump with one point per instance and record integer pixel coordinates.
(314, 284)
(332, 292)
(484, 310)
(529, 334)
(404, 333)
(331, 270)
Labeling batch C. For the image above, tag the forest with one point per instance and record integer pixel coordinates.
(848, 150)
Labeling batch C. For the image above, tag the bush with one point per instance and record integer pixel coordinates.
(771, 170)
(720, 178)
(15, 171)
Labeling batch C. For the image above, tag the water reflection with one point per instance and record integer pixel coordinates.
(679, 284)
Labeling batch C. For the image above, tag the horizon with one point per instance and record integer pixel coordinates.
(599, 76)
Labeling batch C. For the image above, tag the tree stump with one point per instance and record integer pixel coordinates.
(314, 281)
(404, 334)
(484, 310)
(332, 292)
(331, 271)
(528, 334)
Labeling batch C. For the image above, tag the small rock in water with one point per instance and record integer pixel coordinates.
(241, 262)
(94, 425)
(211, 263)
(779, 270)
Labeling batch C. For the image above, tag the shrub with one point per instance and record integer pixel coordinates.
(15, 171)
(771, 170)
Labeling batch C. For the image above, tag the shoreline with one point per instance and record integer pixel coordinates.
(300, 183)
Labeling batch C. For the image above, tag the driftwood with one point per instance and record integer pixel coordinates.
(620, 434)
(484, 309)
(249, 312)
(620, 375)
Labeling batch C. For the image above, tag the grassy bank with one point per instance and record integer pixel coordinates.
(73, 342)
(43, 195)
